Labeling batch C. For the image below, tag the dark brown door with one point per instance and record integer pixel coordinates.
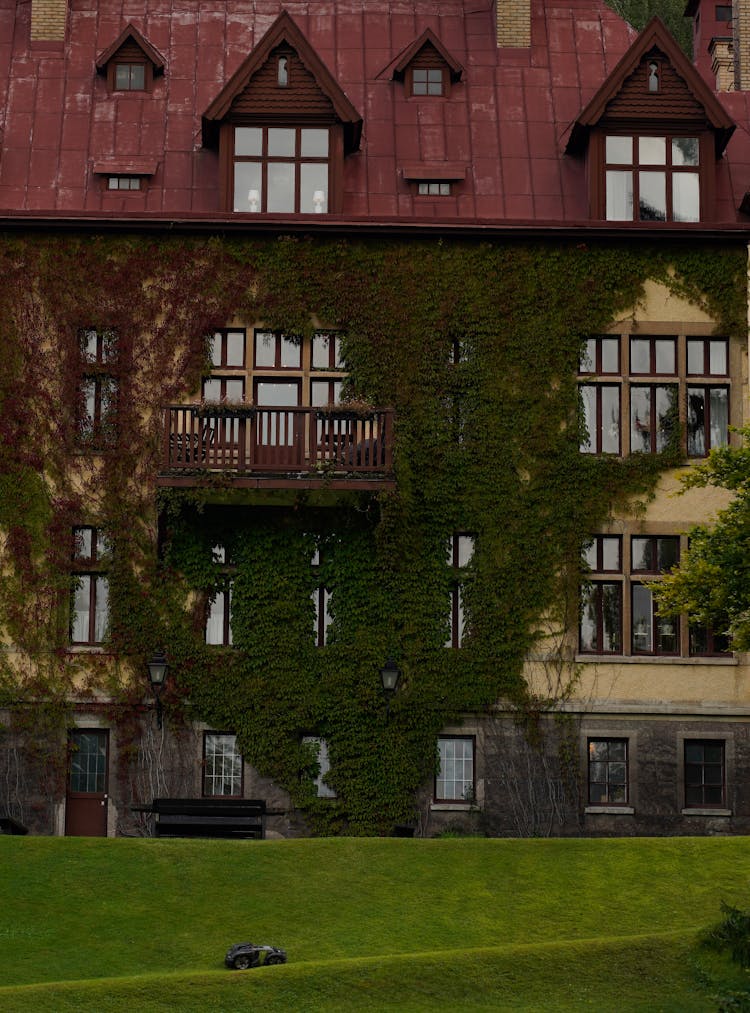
(86, 797)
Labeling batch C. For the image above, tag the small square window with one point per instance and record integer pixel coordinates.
(608, 771)
(427, 81)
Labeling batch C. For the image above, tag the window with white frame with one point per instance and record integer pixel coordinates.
(222, 765)
(455, 777)
(323, 765)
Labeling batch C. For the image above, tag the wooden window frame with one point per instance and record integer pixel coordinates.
(445, 82)
(334, 160)
(596, 588)
(706, 171)
(148, 75)
(609, 740)
(94, 577)
(703, 804)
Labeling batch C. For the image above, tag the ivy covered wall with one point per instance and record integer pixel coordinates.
(487, 444)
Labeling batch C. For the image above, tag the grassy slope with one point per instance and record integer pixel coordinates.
(368, 924)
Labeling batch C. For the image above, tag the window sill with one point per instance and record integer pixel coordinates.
(653, 659)
(609, 810)
(87, 649)
(453, 807)
(706, 812)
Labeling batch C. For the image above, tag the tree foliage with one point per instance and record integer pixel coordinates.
(672, 12)
(712, 582)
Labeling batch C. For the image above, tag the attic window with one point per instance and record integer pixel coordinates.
(282, 72)
(653, 179)
(653, 76)
(281, 169)
(129, 77)
(427, 81)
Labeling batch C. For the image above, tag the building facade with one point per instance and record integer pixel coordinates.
(345, 341)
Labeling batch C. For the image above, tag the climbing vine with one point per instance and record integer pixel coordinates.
(474, 344)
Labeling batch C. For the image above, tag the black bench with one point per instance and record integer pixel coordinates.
(235, 818)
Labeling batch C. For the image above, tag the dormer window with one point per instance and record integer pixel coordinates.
(129, 77)
(653, 76)
(427, 81)
(131, 63)
(283, 128)
(652, 178)
(281, 169)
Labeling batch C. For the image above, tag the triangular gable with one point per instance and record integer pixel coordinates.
(398, 67)
(283, 33)
(616, 99)
(128, 37)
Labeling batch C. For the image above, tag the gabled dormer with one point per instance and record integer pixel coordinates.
(426, 67)
(131, 63)
(283, 127)
(652, 134)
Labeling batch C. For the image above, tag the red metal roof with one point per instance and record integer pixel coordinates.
(506, 120)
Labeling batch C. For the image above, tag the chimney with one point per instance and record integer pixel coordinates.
(722, 63)
(514, 23)
(741, 34)
(48, 20)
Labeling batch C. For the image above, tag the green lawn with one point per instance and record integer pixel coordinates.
(90, 924)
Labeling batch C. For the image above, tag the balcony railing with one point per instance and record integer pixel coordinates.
(277, 441)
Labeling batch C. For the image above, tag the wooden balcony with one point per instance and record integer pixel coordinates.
(277, 448)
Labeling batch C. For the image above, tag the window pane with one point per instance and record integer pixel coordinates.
(280, 186)
(619, 195)
(465, 549)
(619, 150)
(281, 141)
(652, 201)
(588, 399)
(667, 553)
(610, 420)
(235, 389)
(611, 618)
(247, 186)
(696, 422)
(314, 144)
(248, 141)
(667, 635)
(610, 355)
(666, 404)
(611, 553)
(271, 394)
(640, 419)
(652, 150)
(641, 553)
(101, 609)
(666, 357)
(684, 151)
(265, 349)
(718, 358)
(695, 362)
(212, 390)
(719, 416)
(138, 76)
(235, 348)
(82, 543)
(79, 633)
(642, 612)
(640, 355)
(122, 76)
(587, 363)
(291, 353)
(686, 197)
(313, 188)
